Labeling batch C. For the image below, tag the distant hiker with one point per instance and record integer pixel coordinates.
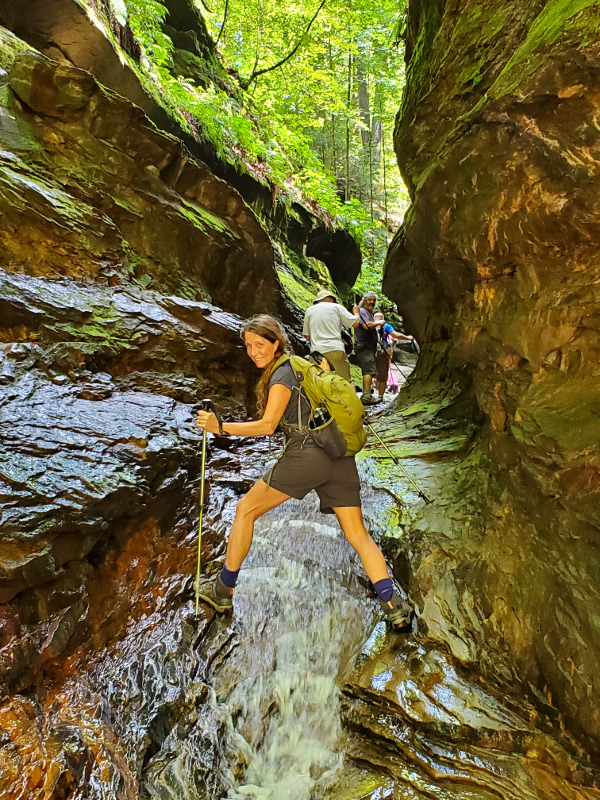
(383, 357)
(365, 347)
(304, 466)
(323, 325)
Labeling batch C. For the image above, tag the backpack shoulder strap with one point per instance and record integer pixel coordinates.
(281, 360)
(298, 366)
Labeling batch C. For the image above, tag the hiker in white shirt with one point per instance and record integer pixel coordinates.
(323, 325)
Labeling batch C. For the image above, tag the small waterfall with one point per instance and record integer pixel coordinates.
(302, 612)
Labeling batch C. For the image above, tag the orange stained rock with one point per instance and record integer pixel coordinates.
(569, 91)
(130, 585)
(484, 295)
(22, 766)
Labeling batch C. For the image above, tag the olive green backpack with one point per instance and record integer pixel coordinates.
(336, 394)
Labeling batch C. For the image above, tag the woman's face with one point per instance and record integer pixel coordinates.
(260, 350)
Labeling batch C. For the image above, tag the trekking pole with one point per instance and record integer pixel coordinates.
(396, 461)
(400, 370)
(206, 406)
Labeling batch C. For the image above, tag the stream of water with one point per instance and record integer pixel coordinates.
(302, 609)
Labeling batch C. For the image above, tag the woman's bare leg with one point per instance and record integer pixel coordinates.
(250, 507)
(351, 522)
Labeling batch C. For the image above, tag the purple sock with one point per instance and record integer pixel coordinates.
(384, 589)
(230, 577)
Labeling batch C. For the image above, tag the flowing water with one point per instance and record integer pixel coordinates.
(302, 612)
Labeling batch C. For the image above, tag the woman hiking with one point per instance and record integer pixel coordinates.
(304, 466)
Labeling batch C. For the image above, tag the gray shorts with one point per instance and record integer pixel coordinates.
(304, 468)
(365, 359)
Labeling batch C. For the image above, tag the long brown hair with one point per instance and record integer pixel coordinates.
(272, 330)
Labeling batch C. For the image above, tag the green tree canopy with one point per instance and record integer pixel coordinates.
(319, 126)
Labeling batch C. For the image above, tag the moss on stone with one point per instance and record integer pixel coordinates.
(10, 47)
(102, 330)
(202, 219)
(15, 133)
(420, 52)
(190, 66)
(294, 290)
(19, 180)
(129, 205)
(300, 277)
(563, 409)
(559, 18)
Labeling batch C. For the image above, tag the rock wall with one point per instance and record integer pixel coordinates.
(92, 189)
(88, 36)
(114, 244)
(496, 267)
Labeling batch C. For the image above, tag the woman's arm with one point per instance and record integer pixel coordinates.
(279, 397)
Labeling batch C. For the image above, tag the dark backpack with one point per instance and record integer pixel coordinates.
(348, 342)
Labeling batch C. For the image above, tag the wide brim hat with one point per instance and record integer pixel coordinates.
(322, 295)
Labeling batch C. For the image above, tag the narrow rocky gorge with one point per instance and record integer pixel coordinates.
(130, 253)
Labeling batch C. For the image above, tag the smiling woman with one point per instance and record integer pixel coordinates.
(304, 466)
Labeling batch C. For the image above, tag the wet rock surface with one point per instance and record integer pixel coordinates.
(94, 190)
(124, 708)
(297, 696)
(497, 267)
(114, 241)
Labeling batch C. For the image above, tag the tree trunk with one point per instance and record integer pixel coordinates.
(333, 147)
(377, 130)
(349, 101)
(363, 102)
(385, 203)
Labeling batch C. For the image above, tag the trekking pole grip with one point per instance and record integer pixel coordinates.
(208, 405)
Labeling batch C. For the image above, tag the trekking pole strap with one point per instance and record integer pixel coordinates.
(208, 405)
(396, 461)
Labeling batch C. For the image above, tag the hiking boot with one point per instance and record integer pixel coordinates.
(397, 611)
(214, 592)
(368, 400)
